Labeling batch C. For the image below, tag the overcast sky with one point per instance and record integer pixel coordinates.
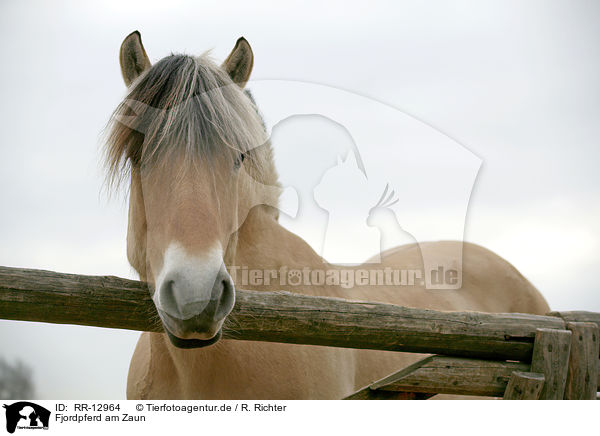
(513, 84)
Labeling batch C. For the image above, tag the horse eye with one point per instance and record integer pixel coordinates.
(239, 160)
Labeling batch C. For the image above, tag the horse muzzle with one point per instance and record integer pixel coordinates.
(193, 298)
(195, 332)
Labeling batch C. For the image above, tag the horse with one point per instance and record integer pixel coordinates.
(203, 206)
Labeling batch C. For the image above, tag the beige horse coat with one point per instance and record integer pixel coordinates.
(210, 212)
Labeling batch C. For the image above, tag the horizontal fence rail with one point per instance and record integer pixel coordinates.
(106, 301)
(448, 375)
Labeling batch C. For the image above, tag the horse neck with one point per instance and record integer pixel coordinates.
(263, 244)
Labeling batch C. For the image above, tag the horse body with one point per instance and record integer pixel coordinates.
(203, 194)
(233, 369)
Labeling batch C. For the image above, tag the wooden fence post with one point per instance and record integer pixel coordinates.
(582, 376)
(524, 386)
(551, 358)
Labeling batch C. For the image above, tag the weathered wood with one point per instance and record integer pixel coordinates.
(370, 394)
(101, 301)
(524, 386)
(286, 317)
(578, 316)
(450, 375)
(34, 295)
(551, 358)
(582, 376)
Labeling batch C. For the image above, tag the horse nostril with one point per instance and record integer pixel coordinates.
(227, 297)
(166, 296)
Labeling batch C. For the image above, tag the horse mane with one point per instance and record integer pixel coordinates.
(188, 105)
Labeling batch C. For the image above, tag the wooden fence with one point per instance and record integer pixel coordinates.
(515, 356)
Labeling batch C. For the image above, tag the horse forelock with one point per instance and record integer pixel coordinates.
(185, 106)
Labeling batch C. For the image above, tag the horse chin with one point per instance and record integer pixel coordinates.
(190, 333)
(193, 343)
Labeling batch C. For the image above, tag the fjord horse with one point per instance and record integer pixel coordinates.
(203, 200)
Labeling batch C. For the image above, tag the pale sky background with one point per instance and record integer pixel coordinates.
(514, 82)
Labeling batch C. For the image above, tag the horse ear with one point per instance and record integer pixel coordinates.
(133, 58)
(239, 62)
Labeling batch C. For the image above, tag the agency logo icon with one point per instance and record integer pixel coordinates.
(26, 415)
